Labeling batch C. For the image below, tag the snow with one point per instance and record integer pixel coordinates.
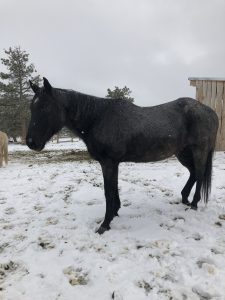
(50, 208)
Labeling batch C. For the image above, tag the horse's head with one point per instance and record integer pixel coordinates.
(46, 116)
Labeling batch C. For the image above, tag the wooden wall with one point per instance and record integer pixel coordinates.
(211, 91)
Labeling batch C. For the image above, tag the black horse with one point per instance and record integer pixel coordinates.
(117, 131)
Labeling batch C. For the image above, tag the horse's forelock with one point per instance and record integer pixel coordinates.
(37, 97)
(36, 100)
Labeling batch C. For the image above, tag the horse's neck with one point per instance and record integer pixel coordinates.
(83, 111)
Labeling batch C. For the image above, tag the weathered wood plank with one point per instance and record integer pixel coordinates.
(213, 96)
(208, 96)
(219, 107)
(199, 91)
(204, 90)
(223, 121)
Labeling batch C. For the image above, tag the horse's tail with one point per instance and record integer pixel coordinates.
(207, 179)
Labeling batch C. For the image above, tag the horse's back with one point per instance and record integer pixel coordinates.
(133, 133)
(128, 132)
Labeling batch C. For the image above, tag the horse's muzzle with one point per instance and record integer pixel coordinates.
(33, 145)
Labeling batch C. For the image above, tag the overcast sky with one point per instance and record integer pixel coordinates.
(90, 45)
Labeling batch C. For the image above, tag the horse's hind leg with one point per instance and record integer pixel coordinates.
(186, 159)
(187, 188)
(200, 161)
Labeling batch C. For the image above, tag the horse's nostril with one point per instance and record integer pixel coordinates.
(29, 142)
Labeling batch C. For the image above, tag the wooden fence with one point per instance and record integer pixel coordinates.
(211, 91)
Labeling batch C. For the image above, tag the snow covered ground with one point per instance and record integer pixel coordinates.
(52, 202)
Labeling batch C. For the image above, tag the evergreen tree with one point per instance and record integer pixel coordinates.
(14, 87)
(19, 71)
(119, 93)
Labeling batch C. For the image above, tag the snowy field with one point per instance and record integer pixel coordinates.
(52, 202)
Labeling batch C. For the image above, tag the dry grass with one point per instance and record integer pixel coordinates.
(55, 156)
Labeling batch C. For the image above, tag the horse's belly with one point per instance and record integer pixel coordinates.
(148, 157)
(151, 152)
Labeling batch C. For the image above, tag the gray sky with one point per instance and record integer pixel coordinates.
(90, 45)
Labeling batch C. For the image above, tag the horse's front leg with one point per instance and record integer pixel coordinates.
(110, 176)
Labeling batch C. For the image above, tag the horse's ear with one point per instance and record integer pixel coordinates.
(34, 87)
(47, 86)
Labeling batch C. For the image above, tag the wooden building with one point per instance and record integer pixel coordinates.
(211, 91)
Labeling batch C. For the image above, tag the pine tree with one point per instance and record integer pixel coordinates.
(18, 75)
(119, 93)
(14, 87)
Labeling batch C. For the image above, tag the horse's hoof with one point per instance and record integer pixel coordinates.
(194, 207)
(102, 229)
(186, 202)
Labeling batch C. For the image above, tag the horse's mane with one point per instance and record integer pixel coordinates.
(82, 96)
(85, 107)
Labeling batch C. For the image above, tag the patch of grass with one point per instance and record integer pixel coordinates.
(54, 156)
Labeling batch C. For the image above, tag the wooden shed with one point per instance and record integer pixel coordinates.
(211, 91)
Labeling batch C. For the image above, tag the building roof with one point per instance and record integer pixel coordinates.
(207, 78)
